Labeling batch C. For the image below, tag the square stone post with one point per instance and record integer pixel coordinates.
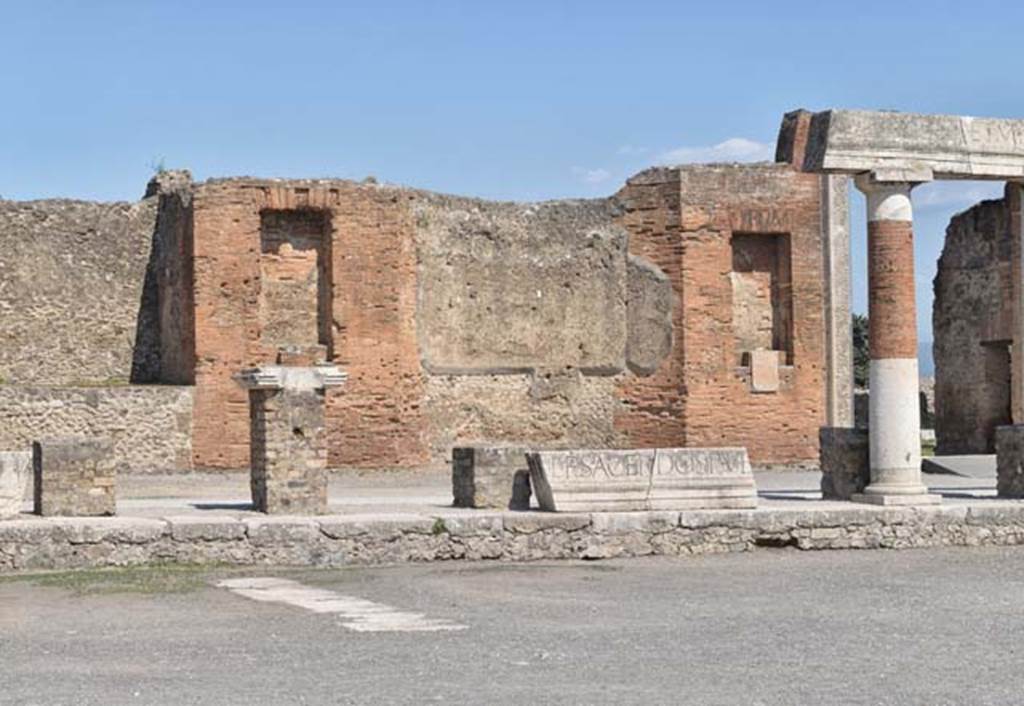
(895, 417)
(835, 216)
(1015, 199)
(288, 443)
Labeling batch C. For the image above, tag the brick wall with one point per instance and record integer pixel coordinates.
(684, 220)
(406, 267)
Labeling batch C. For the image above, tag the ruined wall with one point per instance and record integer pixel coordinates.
(972, 325)
(525, 317)
(150, 425)
(375, 420)
(172, 275)
(457, 320)
(625, 321)
(642, 319)
(507, 287)
(701, 224)
(73, 280)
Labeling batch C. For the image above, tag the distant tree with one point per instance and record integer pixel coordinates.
(861, 354)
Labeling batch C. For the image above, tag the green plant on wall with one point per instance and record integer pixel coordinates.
(861, 353)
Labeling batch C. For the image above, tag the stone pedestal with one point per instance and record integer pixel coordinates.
(844, 458)
(491, 476)
(74, 477)
(1010, 461)
(288, 444)
(15, 469)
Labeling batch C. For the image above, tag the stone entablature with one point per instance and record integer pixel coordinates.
(914, 147)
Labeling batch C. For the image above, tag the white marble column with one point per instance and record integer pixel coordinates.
(895, 418)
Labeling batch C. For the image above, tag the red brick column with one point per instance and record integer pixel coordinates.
(895, 418)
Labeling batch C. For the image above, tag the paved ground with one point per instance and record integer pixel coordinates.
(776, 627)
(426, 492)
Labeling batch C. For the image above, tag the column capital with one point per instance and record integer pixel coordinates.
(888, 193)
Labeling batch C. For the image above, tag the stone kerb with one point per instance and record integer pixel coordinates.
(15, 469)
(288, 438)
(642, 479)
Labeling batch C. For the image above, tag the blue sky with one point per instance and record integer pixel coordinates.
(511, 100)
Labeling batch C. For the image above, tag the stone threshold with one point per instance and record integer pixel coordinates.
(35, 543)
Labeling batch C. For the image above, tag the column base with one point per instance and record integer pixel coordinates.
(897, 500)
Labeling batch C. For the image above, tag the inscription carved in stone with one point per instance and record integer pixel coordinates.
(642, 479)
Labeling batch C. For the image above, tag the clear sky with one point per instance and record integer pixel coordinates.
(516, 100)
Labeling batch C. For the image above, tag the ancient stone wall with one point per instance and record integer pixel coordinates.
(703, 226)
(172, 276)
(150, 425)
(77, 543)
(972, 326)
(629, 321)
(73, 278)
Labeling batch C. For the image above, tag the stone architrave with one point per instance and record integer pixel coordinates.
(1010, 461)
(642, 479)
(74, 477)
(288, 443)
(490, 476)
(14, 474)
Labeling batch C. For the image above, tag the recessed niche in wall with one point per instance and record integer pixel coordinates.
(762, 295)
(295, 276)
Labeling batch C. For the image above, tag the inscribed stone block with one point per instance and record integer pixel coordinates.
(642, 479)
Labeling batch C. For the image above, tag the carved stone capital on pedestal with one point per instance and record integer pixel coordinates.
(280, 377)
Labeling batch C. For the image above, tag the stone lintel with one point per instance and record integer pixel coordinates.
(948, 146)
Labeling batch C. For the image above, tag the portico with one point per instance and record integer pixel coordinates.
(888, 154)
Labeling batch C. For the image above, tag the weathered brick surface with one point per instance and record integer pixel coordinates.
(289, 451)
(376, 420)
(684, 220)
(891, 303)
(74, 477)
(409, 271)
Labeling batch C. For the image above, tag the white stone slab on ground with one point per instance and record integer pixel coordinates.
(642, 479)
(982, 466)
